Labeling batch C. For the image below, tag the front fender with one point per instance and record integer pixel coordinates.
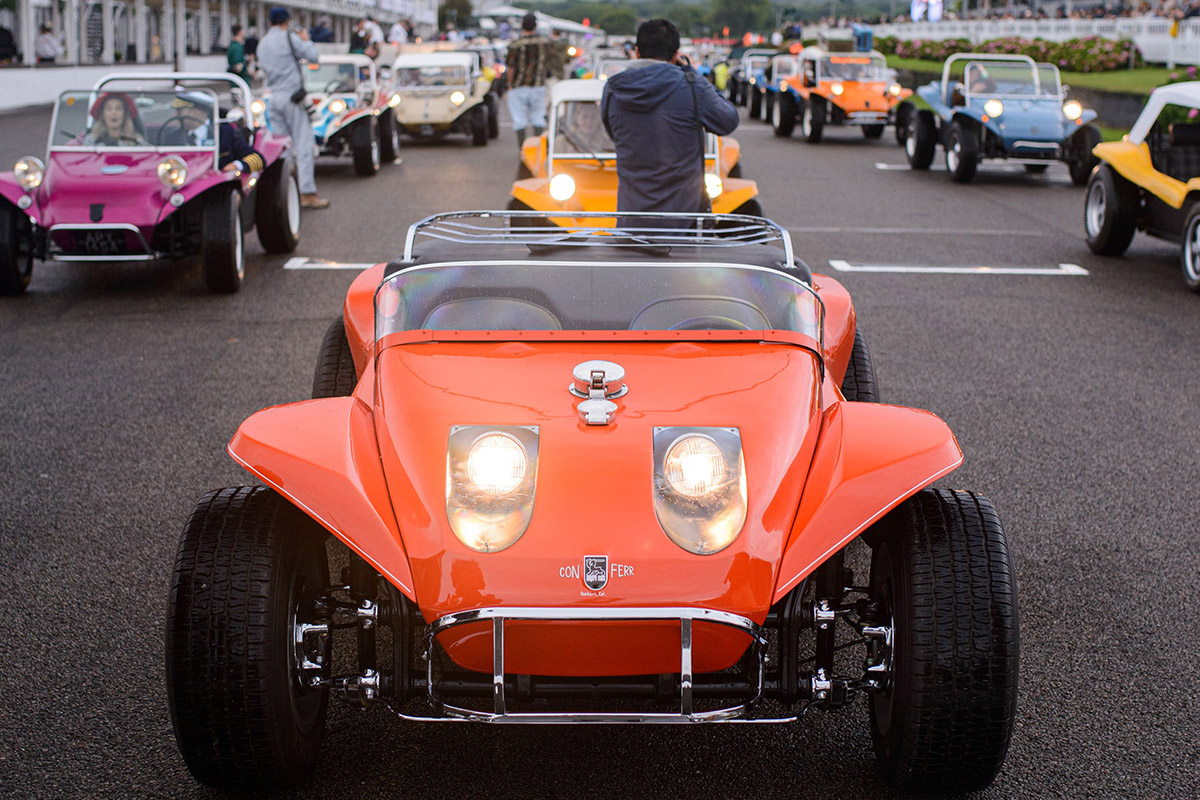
(10, 190)
(323, 457)
(869, 458)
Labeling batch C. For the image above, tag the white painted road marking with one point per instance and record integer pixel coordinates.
(1061, 269)
(300, 262)
(984, 168)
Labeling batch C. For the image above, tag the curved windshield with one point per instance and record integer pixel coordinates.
(579, 130)
(1003, 78)
(853, 68)
(123, 119)
(409, 77)
(678, 296)
(333, 78)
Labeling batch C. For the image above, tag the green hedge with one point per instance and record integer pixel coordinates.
(1089, 54)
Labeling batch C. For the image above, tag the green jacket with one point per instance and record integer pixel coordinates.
(236, 54)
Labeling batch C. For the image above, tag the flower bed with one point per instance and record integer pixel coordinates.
(1089, 54)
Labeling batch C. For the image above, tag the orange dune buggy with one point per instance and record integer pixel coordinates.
(572, 167)
(821, 88)
(581, 463)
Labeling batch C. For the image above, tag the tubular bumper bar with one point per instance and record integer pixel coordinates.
(687, 712)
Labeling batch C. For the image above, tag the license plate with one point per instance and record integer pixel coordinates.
(103, 243)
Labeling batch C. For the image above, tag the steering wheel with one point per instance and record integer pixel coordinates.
(162, 129)
(709, 322)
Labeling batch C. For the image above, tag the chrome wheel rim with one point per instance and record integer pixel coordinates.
(293, 205)
(910, 142)
(395, 134)
(806, 122)
(375, 153)
(777, 115)
(1097, 206)
(952, 154)
(1191, 252)
(238, 261)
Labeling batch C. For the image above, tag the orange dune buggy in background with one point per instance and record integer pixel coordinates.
(581, 463)
(820, 88)
(573, 167)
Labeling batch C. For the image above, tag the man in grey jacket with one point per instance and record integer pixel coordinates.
(278, 56)
(656, 111)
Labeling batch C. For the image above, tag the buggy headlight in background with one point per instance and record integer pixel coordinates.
(458, 98)
(257, 107)
(837, 89)
(894, 90)
(712, 185)
(337, 105)
(172, 172)
(29, 172)
(699, 486)
(1072, 109)
(491, 474)
(562, 187)
(393, 101)
(993, 108)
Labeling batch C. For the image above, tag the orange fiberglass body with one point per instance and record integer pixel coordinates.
(577, 147)
(822, 87)
(372, 468)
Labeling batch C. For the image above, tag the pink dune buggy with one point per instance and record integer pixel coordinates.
(149, 166)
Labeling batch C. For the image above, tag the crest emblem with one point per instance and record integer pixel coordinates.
(595, 572)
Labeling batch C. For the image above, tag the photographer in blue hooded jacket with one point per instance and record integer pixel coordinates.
(656, 111)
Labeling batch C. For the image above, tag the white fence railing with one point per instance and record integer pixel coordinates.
(1152, 35)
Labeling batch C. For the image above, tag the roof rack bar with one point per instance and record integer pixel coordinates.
(463, 227)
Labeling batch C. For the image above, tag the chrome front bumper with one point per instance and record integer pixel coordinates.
(445, 712)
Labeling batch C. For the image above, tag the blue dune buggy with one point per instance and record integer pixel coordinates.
(998, 107)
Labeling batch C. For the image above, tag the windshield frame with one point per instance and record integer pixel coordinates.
(879, 63)
(1034, 70)
(467, 84)
(94, 93)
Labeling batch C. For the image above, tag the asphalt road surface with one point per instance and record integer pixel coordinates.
(1073, 391)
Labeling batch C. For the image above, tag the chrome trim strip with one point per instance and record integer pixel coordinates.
(54, 254)
(687, 713)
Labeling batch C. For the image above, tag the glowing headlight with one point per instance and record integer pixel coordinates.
(257, 107)
(572, 51)
(712, 185)
(458, 98)
(29, 172)
(562, 187)
(337, 106)
(1072, 109)
(699, 486)
(752, 81)
(837, 89)
(491, 474)
(894, 90)
(393, 101)
(172, 171)
(993, 108)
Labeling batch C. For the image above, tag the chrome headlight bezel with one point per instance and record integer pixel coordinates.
(713, 185)
(490, 517)
(337, 106)
(29, 172)
(1072, 110)
(993, 108)
(707, 516)
(172, 172)
(457, 97)
(837, 89)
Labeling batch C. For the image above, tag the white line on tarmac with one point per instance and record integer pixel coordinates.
(300, 262)
(1060, 270)
(939, 166)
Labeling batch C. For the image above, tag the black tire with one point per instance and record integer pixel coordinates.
(812, 120)
(962, 152)
(783, 116)
(493, 120)
(247, 568)
(277, 208)
(16, 250)
(479, 125)
(872, 131)
(751, 207)
(903, 112)
(1189, 253)
(859, 382)
(736, 170)
(1080, 158)
(368, 154)
(223, 251)
(1036, 169)
(943, 722)
(389, 137)
(1109, 212)
(768, 106)
(755, 102)
(527, 222)
(335, 375)
(920, 144)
